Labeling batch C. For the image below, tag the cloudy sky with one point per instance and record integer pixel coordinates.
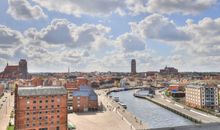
(104, 35)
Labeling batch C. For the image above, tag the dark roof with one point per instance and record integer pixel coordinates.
(85, 91)
(41, 91)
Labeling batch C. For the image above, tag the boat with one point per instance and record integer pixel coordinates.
(116, 99)
(123, 105)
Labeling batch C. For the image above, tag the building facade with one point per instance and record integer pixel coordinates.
(85, 99)
(15, 71)
(1, 90)
(41, 108)
(202, 96)
(133, 66)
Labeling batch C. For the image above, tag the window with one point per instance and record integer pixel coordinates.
(58, 128)
(27, 125)
(34, 107)
(52, 100)
(28, 107)
(34, 101)
(58, 111)
(40, 101)
(46, 101)
(58, 105)
(43, 129)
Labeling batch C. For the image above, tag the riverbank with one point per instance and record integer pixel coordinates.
(190, 114)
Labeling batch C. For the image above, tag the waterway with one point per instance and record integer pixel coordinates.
(151, 114)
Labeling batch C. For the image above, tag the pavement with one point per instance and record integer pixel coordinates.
(111, 105)
(106, 120)
(5, 110)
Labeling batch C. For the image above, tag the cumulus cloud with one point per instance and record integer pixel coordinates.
(8, 36)
(179, 6)
(130, 42)
(158, 27)
(126, 7)
(61, 31)
(206, 37)
(23, 10)
(81, 7)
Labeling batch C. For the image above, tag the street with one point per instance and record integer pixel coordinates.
(6, 106)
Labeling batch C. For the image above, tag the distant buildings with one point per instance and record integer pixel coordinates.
(15, 71)
(85, 99)
(41, 108)
(133, 66)
(202, 96)
(168, 71)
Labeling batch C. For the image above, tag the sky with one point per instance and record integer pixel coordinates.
(104, 35)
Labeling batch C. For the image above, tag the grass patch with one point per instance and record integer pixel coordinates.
(10, 127)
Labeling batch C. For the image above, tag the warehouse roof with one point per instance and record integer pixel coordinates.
(41, 91)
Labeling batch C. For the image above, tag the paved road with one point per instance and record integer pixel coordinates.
(199, 115)
(128, 117)
(5, 110)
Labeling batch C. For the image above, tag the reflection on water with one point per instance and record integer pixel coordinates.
(153, 115)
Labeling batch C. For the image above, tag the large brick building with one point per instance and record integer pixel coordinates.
(41, 108)
(15, 71)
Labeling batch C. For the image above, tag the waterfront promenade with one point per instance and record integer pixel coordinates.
(190, 113)
(129, 118)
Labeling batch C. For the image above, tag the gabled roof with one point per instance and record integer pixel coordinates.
(87, 91)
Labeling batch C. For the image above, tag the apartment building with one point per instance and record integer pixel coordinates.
(202, 96)
(41, 108)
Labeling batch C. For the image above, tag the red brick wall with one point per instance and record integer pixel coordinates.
(1, 89)
(51, 117)
(83, 102)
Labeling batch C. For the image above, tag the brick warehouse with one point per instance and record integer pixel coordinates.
(41, 108)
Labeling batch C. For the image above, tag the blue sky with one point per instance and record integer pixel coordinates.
(106, 34)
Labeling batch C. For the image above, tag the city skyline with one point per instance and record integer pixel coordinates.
(106, 35)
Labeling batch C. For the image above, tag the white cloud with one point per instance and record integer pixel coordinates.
(179, 6)
(158, 27)
(8, 36)
(61, 31)
(23, 10)
(81, 7)
(130, 42)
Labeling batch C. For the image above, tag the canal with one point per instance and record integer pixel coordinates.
(151, 114)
